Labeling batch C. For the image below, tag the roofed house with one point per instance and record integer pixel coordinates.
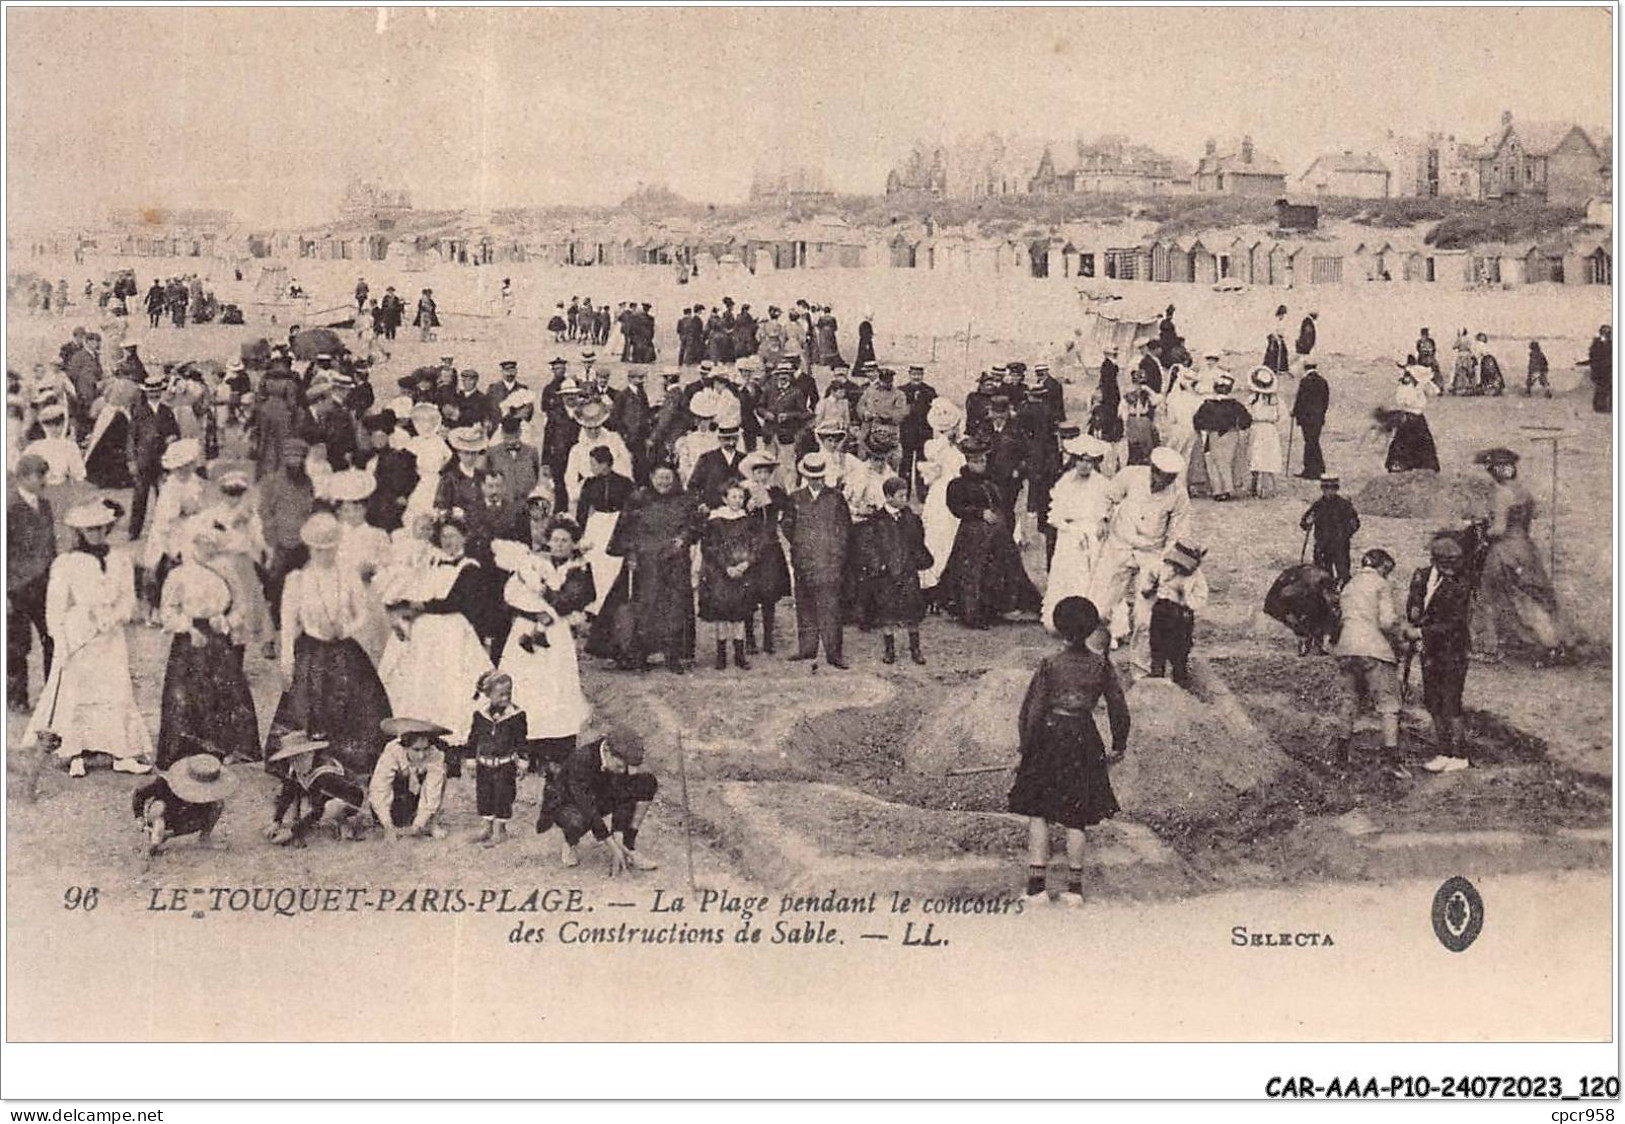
(1550, 162)
(1362, 176)
(1243, 172)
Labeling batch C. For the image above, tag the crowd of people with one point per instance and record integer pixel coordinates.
(428, 558)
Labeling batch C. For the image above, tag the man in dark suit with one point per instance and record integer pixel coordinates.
(1309, 408)
(153, 426)
(915, 430)
(1439, 611)
(499, 390)
(817, 524)
(716, 467)
(1008, 447)
(30, 550)
(632, 417)
(473, 404)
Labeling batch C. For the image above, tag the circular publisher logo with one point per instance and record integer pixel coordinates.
(1458, 914)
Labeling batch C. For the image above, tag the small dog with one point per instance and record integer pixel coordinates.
(46, 743)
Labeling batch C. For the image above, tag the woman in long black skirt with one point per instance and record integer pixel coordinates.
(333, 691)
(1062, 778)
(1412, 446)
(207, 707)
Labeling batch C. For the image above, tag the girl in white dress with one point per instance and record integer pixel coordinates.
(1078, 506)
(432, 662)
(1264, 453)
(940, 462)
(88, 702)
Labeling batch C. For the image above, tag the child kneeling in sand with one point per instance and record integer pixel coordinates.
(187, 798)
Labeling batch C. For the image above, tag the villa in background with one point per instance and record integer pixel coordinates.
(1243, 172)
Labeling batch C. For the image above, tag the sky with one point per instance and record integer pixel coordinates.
(270, 113)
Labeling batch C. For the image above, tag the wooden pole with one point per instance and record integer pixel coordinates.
(688, 831)
(1555, 435)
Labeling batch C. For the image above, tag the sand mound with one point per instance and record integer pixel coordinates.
(1422, 495)
(1183, 754)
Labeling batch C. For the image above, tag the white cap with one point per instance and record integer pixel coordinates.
(1164, 459)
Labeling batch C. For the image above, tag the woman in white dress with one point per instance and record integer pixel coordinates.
(432, 662)
(88, 702)
(364, 550)
(1078, 506)
(180, 497)
(549, 587)
(428, 447)
(940, 462)
(1264, 453)
(235, 525)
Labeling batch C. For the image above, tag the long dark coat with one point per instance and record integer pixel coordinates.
(654, 535)
(893, 555)
(729, 542)
(819, 530)
(1063, 775)
(984, 576)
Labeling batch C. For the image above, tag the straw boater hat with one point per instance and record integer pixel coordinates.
(1090, 448)
(320, 532)
(1164, 459)
(406, 727)
(234, 481)
(761, 458)
(296, 743)
(200, 779)
(812, 466)
(352, 485)
(181, 453)
(467, 439)
(1262, 379)
(154, 382)
(831, 428)
(91, 514)
(592, 414)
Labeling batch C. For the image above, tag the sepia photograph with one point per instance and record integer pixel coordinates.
(819, 525)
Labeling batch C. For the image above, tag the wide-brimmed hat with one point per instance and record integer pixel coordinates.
(320, 532)
(830, 428)
(1185, 555)
(182, 453)
(880, 439)
(296, 743)
(468, 439)
(706, 404)
(1329, 481)
(406, 727)
(154, 381)
(1164, 459)
(91, 514)
(943, 414)
(761, 458)
(975, 445)
(425, 418)
(200, 779)
(1489, 458)
(1083, 445)
(351, 485)
(592, 413)
(1262, 379)
(813, 466)
(235, 480)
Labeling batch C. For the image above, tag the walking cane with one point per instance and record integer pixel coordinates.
(1291, 424)
(688, 833)
(1303, 551)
